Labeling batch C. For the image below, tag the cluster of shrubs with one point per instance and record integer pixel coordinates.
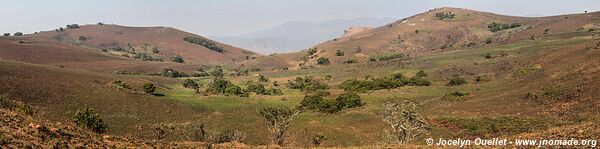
(386, 57)
(205, 43)
(119, 85)
(262, 90)
(548, 94)
(168, 72)
(495, 26)
(395, 81)
(177, 59)
(18, 34)
(72, 26)
(225, 87)
(146, 57)
(311, 51)
(307, 84)
(316, 101)
(445, 16)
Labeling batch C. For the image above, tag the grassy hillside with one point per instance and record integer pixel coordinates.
(515, 86)
(167, 42)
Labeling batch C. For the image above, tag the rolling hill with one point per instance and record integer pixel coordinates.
(440, 30)
(158, 42)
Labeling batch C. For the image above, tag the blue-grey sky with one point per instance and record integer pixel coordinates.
(237, 17)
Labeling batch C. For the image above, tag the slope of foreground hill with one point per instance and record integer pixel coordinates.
(155, 43)
(517, 87)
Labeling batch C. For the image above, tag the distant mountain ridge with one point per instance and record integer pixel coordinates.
(298, 35)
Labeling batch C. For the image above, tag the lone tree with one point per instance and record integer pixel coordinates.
(149, 88)
(87, 118)
(323, 61)
(278, 120)
(339, 53)
(189, 83)
(6, 34)
(406, 123)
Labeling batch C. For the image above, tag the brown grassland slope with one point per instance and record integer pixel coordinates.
(168, 41)
(537, 80)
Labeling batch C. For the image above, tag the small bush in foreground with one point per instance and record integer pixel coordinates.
(149, 88)
(89, 119)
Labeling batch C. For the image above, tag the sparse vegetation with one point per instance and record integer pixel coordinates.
(455, 96)
(495, 26)
(350, 61)
(457, 81)
(168, 72)
(119, 85)
(386, 57)
(205, 43)
(89, 119)
(549, 94)
(444, 16)
(6, 34)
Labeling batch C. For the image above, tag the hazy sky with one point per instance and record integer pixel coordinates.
(236, 17)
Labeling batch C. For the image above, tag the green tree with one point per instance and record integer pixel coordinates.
(6, 34)
(311, 51)
(89, 119)
(149, 88)
(339, 53)
(18, 34)
(189, 83)
(323, 61)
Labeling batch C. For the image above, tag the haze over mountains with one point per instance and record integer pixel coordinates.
(297, 35)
